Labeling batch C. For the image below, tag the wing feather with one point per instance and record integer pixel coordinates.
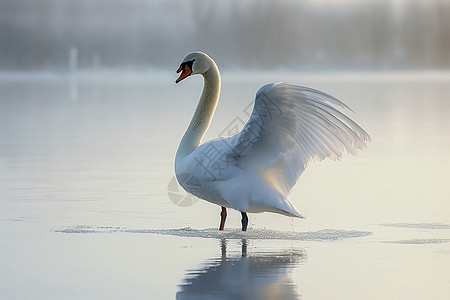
(290, 127)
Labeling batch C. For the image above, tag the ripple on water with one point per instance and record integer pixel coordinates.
(264, 234)
(418, 225)
(420, 241)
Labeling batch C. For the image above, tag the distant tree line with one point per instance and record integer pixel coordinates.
(257, 34)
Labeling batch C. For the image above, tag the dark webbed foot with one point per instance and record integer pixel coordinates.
(223, 217)
(244, 221)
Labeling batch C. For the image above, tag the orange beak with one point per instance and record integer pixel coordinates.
(185, 72)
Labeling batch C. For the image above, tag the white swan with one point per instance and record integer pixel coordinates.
(254, 170)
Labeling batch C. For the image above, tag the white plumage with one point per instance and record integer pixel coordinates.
(254, 170)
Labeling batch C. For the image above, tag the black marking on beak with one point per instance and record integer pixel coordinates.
(185, 69)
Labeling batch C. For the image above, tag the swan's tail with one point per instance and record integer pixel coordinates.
(290, 210)
(279, 204)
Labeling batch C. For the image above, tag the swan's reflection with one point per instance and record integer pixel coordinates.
(258, 275)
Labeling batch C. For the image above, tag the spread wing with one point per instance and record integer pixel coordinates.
(290, 127)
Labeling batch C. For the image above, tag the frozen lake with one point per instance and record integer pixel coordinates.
(89, 209)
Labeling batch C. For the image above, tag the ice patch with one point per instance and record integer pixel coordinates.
(421, 241)
(256, 234)
(423, 227)
(418, 225)
(90, 229)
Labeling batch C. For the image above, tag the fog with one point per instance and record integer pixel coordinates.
(258, 34)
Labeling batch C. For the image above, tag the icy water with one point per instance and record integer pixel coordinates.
(89, 208)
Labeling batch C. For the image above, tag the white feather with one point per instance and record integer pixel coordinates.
(290, 127)
(254, 170)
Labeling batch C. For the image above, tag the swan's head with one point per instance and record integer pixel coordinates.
(194, 63)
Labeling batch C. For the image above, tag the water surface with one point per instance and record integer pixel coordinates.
(86, 165)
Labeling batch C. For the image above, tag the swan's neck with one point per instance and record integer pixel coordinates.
(203, 113)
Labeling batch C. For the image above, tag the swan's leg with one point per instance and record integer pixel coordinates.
(223, 216)
(244, 221)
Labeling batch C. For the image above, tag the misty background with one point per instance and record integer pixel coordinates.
(258, 34)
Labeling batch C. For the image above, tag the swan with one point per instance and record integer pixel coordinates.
(254, 170)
